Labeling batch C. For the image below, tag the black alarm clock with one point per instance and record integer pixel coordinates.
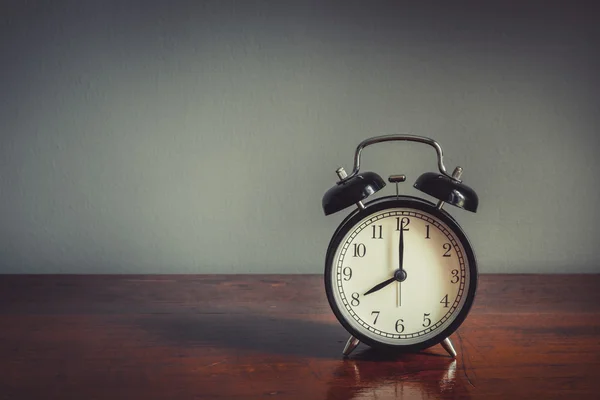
(400, 273)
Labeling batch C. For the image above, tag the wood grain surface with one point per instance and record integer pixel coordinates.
(274, 336)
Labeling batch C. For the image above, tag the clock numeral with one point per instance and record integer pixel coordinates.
(399, 326)
(355, 301)
(427, 232)
(447, 247)
(376, 316)
(455, 277)
(347, 272)
(377, 234)
(402, 223)
(445, 301)
(359, 250)
(426, 321)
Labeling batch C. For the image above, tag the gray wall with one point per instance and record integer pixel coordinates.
(188, 137)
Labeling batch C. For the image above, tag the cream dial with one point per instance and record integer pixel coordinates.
(368, 288)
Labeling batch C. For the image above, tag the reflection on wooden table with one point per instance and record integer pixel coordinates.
(407, 377)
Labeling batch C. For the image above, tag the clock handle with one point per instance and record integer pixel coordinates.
(389, 138)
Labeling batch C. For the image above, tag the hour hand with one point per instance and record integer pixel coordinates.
(380, 286)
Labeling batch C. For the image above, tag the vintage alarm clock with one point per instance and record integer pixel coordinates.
(400, 272)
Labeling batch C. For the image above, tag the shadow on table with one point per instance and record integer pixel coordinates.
(276, 335)
(268, 334)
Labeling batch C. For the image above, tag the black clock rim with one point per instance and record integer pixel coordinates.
(403, 202)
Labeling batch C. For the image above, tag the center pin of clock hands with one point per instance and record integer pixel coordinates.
(399, 274)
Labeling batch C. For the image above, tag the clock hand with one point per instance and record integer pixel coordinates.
(401, 263)
(380, 286)
(401, 248)
(399, 276)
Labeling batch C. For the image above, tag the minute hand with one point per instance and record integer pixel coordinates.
(401, 249)
(380, 286)
(400, 274)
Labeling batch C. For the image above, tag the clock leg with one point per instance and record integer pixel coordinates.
(351, 344)
(447, 345)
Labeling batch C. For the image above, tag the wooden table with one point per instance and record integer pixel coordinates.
(232, 337)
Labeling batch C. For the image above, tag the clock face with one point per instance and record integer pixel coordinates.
(401, 275)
